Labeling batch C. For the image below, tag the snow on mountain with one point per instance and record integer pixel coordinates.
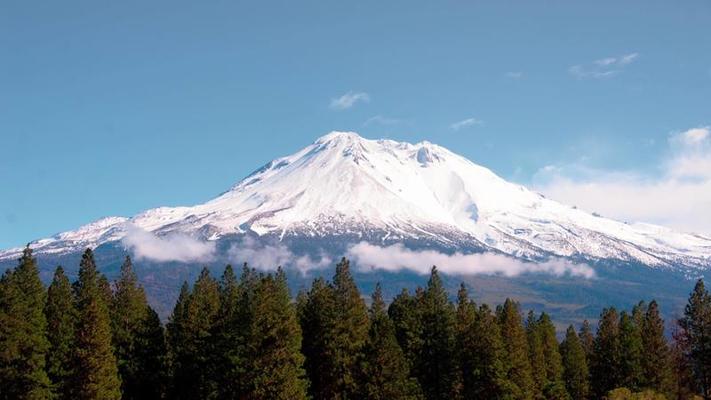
(385, 192)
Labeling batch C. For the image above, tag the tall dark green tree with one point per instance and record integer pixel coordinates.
(631, 351)
(230, 333)
(317, 315)
(696, 334)
(95, 371)
(605, 363)
(554, 387)
(23, 341)
(191, 340)
(274, 342)
(516, 359)
(575, 366)
(384, 370)
(134, 328)
(587, 339)
(656, 356)
(61, 322)
(536, 355)
(437, 366)
(405, 312)
(467, 354)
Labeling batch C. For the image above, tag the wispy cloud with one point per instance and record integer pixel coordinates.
(514, 74)
(172, 247)
(603, 68)
(348, 100)
(397, 257)
(269, 256)
(381, 120)
(465, 123)
(679, 197)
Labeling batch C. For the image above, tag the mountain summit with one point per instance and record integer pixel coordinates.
(386, 192)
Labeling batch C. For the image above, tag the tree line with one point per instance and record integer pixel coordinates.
(242, 336)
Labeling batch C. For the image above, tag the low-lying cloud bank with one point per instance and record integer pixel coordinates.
(396, 258)
(172, 247)
(269, 256)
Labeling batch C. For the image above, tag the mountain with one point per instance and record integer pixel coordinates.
(385, 192)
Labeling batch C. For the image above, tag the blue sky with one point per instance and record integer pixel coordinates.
(110, 108)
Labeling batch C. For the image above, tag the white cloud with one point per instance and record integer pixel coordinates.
(348, 100)
(172, 247)
(268, 257)
(603, 68)
(396, 257)
(679, 197)
(514, 74)
(381, 120)
(465, 123)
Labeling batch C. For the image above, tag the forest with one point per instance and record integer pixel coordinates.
(243, 336)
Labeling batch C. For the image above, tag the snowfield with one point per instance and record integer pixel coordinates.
(343, 184)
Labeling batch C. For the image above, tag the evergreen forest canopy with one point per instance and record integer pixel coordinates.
(243, 336)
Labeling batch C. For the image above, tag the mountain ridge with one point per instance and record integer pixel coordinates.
(385, 192)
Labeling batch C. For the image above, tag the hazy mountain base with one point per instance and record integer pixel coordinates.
(570, 299)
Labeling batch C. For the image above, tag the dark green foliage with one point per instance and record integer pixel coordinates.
(630, 352)
(605, 360)
(23, 341)
(436, 362)
(521, 385)
(191, 338)
(536, 355)
(656, 357)
(230, 333)
(696, 337)
(317, 314)
(275, 364)
(575, 367)
(554, 386)
(587, 339)
(95, 371)
(384, 369)
(405, 313)
(61, 322)
(137, 339)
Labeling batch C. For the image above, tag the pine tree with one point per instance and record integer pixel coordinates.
(151, 351)
(696, 331)
(575, 367)
(405, 313)
(176, 335)
(554, 387)
(536, 355)
(274, 342)
(587, 340)
(194, 370)
(230, 335)
(317, 315)
(23, 341)
(350, 330)
(656, 357)
(133, 325)
(467, 354)
(437, 367)
(384, 370)
(61, 322)
(516, 358)
(96, 373)
(605, 366)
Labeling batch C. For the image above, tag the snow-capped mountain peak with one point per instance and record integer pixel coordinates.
(343, 185)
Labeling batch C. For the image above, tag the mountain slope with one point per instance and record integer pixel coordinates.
(386, 192)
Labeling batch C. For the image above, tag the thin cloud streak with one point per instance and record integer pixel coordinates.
(465, 123)
(348, 100)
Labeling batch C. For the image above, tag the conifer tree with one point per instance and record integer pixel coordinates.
(696, 333)
(575, 367)
(516, 358)
(230, 336)
(350, 330)
(384, 370)
(192, 338)
(405, 313)
(133, 328)
(96, 374)
(274, 341)
(317, 315)
(61, 322)
(467, 354)
(437, 367)
(536, 355)
(554, 387)
(151, 351)
(656, 357)
(587, 340)
(605, 365)
(23, 341)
